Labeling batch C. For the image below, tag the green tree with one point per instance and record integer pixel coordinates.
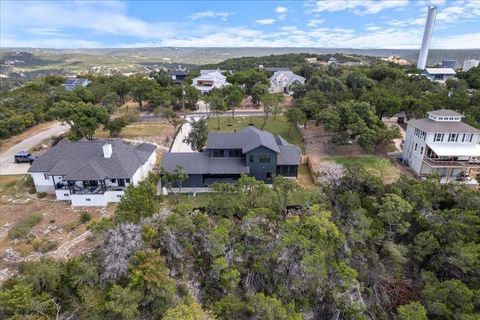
(123, 302)
(270, 103)
(197, 137)
(138, 202)
(115, 126)
(394, 211)
(217, 105)
(294, 117)
(173, 118)
(412, 311)
(258, 90)
(174, 179)
(187, 311)
(140, 87)
(83, 118)
(233, 97)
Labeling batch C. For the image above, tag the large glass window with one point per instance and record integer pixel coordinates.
(438, 137)
(264, 158)
(235, 153)
(453, 137)
(219, 153)
(467, 137)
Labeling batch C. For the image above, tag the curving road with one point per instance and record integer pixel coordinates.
(8, 166)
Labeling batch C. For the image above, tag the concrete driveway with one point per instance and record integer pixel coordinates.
(178, 145)
(8, 166)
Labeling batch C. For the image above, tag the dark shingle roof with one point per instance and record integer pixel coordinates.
(178, 73)
(289, 155)
(84, 160)
(200, 163)
(429, 125)
(247, 139)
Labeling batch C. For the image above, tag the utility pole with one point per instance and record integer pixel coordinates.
(183, 103)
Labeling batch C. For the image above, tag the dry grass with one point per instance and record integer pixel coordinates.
(304, 177)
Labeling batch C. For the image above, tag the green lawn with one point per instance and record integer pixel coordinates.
(380, 167)
(278, 126)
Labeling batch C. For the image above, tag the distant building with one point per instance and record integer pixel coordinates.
(449, 64)
(72, 83)
(439, 74)
(92, 173)
(332, 60)
(250, 151)
(273, 69)
(209, 79)
(178, 75)
(442, 144)
(281, 81)
(469, 64)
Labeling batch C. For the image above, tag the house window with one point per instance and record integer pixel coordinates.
(467, 137)
(251, 158)
(416, 146)
(127, 180)
(119, 195)
(66, 194)
(269, 175)
(87, 199)
(46, 176)
(113, 180)
(292, 169)
(284, 170)
(235, 153)
(218, 153)
(421, 150)
(438, 137)
(453, 137)
(264, 158)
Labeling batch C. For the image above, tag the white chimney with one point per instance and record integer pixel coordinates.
(107, 150)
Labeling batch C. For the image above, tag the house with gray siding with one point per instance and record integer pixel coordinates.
(249, 151)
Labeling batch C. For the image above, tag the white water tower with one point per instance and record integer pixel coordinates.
(427, 37)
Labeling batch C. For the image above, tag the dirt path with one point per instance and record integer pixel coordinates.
(63, 250)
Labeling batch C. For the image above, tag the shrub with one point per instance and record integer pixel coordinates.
(41, 195)
(52, 221)
(84, 217)
(70, 226)
(48, 246)
(22, 228)
(24, 248)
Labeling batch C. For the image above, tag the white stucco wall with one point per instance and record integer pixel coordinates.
(42, 184)
(413, 157)
(62, 194)
(88, 200)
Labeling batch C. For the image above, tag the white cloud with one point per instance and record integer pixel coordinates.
(360, 7)
(281, 10)
(265, 21)
(315, 22)
(210, 14)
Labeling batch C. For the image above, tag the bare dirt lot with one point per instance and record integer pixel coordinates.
(326, 156)
(55, 232)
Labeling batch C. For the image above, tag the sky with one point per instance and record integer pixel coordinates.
(362, 24)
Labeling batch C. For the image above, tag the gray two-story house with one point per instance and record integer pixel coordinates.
(228, 155)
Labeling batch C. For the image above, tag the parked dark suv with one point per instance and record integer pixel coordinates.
(24, 156)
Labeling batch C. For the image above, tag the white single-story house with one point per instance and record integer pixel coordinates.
(281, 81)
(92, 173)
(439, 74)
(209, 79)
(72, 83)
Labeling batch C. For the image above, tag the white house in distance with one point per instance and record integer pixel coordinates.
(72, 83)
(92, 173)
(442, 144)
(469, 64)
(281, 81)
(209, 79)
(439, 74)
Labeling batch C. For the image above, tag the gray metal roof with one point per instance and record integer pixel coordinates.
(200, 163)
(445, 113)
(84, 160)
(429, 125)
(247, 139)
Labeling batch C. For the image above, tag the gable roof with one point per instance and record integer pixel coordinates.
(288, 76)
(84, 160)
(247, 139)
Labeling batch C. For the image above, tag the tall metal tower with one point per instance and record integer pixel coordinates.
(427, 37)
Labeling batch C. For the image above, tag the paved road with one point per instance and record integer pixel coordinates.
(7, 166)
(152, 117)
(178, 144)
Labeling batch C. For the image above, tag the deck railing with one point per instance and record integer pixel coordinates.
(451, 163)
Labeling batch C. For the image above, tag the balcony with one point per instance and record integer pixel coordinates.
(100, 189)
(473, 163)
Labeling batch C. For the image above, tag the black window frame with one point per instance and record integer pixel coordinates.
(264, 158)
